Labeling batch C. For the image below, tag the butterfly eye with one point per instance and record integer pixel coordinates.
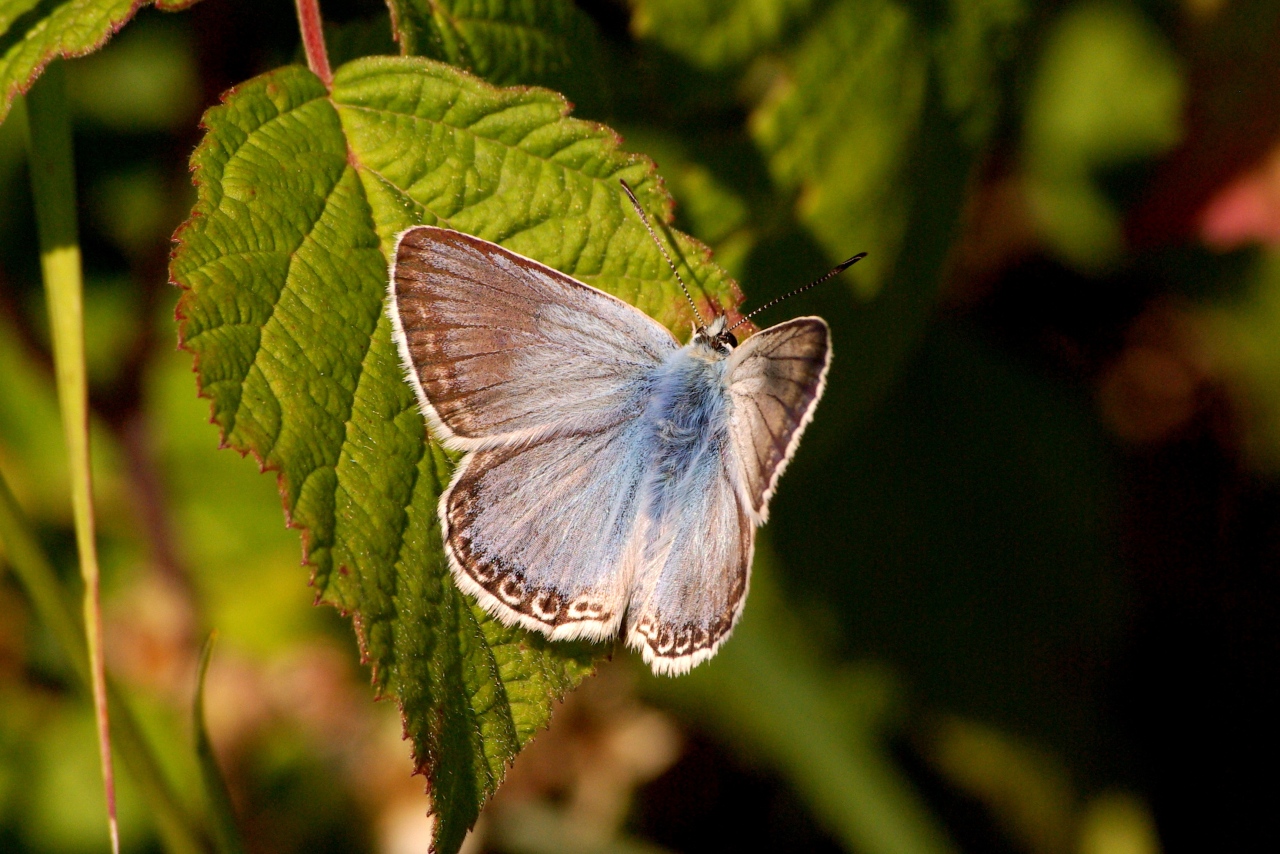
(730, 339)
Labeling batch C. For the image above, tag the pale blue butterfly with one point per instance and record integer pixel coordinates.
(610, 473)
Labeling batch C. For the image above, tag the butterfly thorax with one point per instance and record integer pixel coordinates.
(687, 411)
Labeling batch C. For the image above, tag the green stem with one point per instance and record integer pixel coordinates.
(53, 188)
(36, 574)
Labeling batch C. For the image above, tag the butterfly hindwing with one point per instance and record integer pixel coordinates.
(501, 348)
(543, 534)
(692, 583)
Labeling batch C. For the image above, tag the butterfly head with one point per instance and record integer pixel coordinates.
(716, 337)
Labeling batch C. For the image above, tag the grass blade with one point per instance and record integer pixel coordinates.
(53, 187)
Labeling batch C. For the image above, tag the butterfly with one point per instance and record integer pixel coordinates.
(610, 475)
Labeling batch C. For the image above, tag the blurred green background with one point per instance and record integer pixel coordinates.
(1019, 593)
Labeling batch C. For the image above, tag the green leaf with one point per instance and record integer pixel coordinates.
(716, 34)
(301, 193)
(34, 32)
(545, 42)
(973, 42)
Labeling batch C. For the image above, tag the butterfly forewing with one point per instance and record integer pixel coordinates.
(502, 348)
(775, 380)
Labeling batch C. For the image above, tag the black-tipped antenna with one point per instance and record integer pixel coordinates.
(644, 219)
(840, 268)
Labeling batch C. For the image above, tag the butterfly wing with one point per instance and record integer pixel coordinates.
(502, 349)
(691, 583)
(542, 379)
(543, 534)
(775, 381)
(699, 534)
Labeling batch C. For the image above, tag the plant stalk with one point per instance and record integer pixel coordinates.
(312, 26)
(53, 187)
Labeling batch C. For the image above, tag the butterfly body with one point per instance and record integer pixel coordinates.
(688, 412)
(613, 478)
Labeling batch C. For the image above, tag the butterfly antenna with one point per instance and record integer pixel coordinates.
(840, 268)
(644, 219)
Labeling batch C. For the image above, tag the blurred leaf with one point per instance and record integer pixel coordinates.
(110, 311)
(533, 827)
(965, 534)
(1244, 335)
(66, 778)
(132, 207)
(824, 727)
(716, 34)
(356, 39)
(226, 516)
(973, 41)
(1118, 823)
(547, 42)
(874, 124)
(34, 32)
(146, 79)
(32, 453)
(31, 450)
(839, 125)
(1026, 790)
(301, 194)
(713, 211)
(1107, 91)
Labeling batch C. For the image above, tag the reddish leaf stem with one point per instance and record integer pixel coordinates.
(312, 26)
